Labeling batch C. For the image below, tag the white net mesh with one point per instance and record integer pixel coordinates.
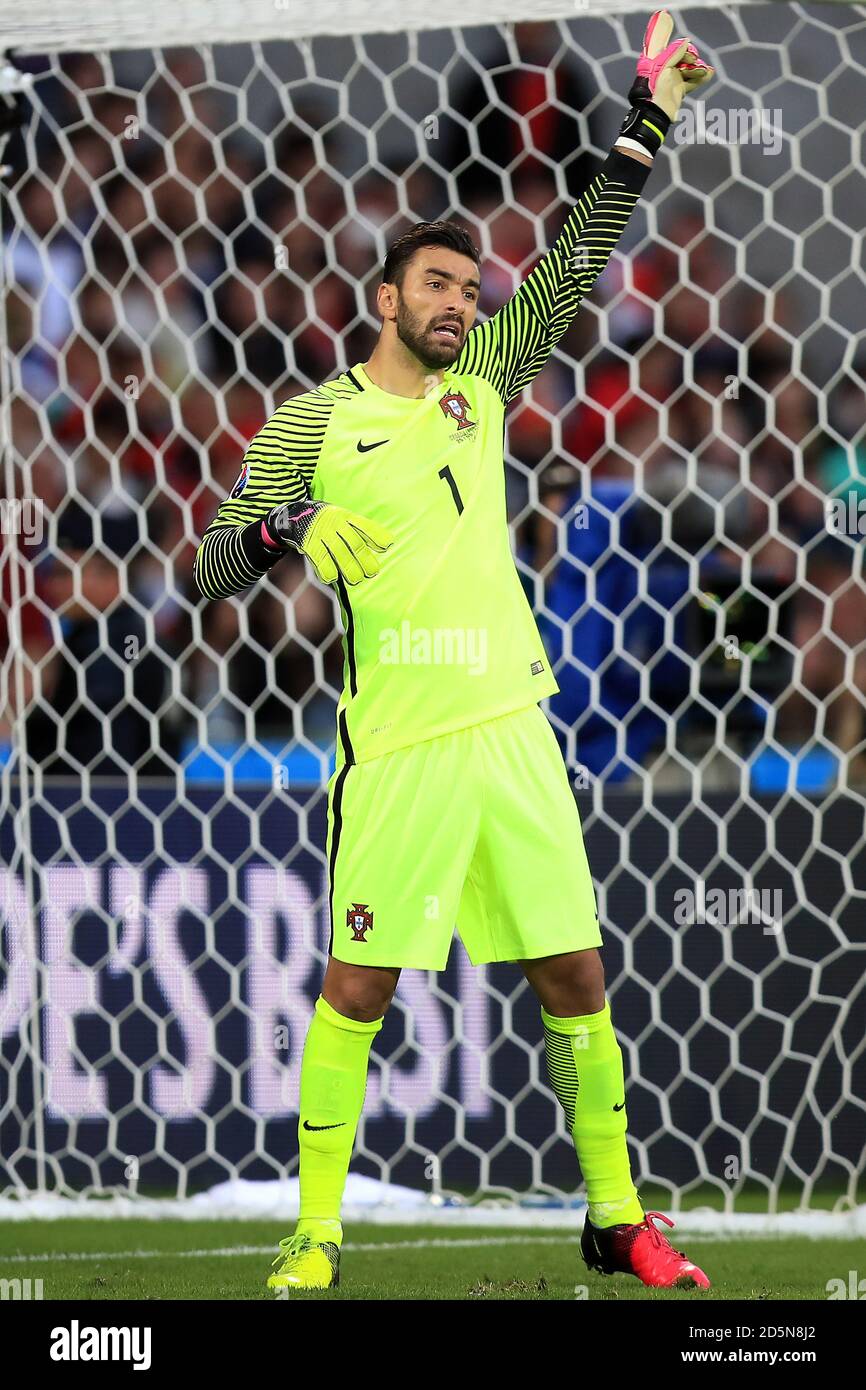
(190, 236)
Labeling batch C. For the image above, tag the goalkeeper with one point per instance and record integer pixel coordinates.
(450, 804)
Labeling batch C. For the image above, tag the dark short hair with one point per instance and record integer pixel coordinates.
(403, 249)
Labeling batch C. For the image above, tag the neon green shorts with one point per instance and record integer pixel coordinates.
(477, 829)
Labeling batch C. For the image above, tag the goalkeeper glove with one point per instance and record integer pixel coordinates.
(666, 72)
(337, 543)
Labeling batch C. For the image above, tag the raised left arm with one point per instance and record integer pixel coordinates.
(513, 345)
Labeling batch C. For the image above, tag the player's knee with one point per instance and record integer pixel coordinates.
(591, 972)
(573, 984)
(363, 1009)
(363, 1000)
(362, 993)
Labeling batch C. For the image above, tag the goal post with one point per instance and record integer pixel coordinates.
(194, 217)
(84, 25)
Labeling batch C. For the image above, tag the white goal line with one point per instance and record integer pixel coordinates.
(709, 1224)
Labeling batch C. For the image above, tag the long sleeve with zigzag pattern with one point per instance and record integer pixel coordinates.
(511, 348)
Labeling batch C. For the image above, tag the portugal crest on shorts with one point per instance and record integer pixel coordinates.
(456, 405)
(360, 920)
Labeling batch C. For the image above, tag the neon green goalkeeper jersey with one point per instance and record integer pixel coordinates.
(443, 637)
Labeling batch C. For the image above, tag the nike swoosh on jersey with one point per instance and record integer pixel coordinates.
(365, 448)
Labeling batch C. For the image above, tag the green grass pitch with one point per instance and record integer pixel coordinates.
(131, 1259)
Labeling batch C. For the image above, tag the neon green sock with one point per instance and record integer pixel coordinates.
(333, 1082)
(584, 1064)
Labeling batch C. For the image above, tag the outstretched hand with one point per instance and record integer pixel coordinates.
(668, 69)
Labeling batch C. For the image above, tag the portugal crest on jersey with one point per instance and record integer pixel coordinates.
(360, 920)
(456, 405)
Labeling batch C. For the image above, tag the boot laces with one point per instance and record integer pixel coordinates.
(291, 1248)
(658, 1238)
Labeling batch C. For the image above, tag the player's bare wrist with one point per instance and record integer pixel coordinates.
(634, 151)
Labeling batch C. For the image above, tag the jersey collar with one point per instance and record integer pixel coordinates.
(367, 385)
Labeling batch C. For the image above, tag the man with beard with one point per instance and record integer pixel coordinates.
(450, 804)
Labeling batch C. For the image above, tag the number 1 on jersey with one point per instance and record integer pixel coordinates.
(449, 479)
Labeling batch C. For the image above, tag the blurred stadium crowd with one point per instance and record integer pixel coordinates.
(168, 283)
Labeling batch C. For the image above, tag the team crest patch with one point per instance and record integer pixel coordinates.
(360, 920)
(456, 405)
(243, 479)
